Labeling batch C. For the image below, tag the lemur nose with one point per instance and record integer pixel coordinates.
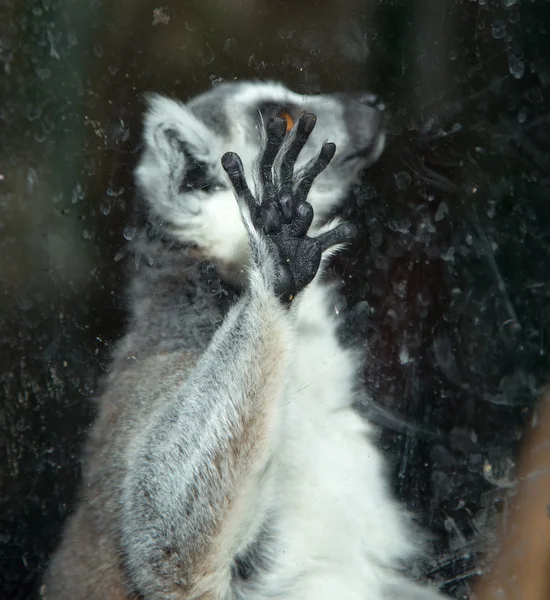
(372, 100)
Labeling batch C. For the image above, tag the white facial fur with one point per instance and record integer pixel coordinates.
(228, 118)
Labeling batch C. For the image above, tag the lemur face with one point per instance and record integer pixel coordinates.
(180, 171)
(235, 114)
(185, 142)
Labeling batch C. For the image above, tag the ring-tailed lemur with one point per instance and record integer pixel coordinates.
(227, 460)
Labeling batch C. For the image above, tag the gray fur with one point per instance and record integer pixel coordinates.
(197, 469)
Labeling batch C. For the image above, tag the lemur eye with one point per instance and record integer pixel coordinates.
(287, 111)
(288, 118)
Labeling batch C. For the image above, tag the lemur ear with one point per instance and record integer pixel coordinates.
(171, 129)
(179, 156)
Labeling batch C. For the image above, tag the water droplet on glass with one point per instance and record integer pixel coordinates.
(522, 115)
(453, 55)
(32, 178)
(370, 192)
(129, 232)
(513, 17)
(230, 46)
(400, 289)
(516, 66)
(114, 193)
(442, 210)
(205, 55)
(40, 137)
(77, 194)
(43, 74)
(404, 357)
(449, 254)
(509, 3)
(534, 95)
(160, 17)
(285, 33)
(193, 24)
(86, 234)
(33, 112)
(215, 80)
(402, 180)
(498, 29)
(24, 303)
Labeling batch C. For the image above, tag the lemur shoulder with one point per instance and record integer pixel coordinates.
(227, 460)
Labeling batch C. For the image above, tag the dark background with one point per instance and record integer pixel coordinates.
(449, 282)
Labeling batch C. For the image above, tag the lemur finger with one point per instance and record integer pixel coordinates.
(302, 219)
(345, 232)
(285, 286)
(233, 166)
(314, 168)
(307, 259)
(276, 129)
(300, 133)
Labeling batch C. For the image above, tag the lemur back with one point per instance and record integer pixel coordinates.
(227, 460)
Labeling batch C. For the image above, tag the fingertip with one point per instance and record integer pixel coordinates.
(328, 150)
(231, 162)
(307, 122)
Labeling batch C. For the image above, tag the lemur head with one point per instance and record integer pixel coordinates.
(180, 168)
